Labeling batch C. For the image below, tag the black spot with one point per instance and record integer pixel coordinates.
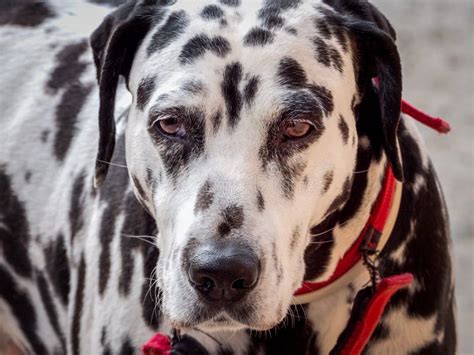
(76, 209)
(28, 176)
(231, 93)
(250, 90)
(24, 13)
(260, 201)
(45, 135)
(127, 348)
(77, 313)
(327, 54)
(232, 3)
(295, 236)
(233, 218)
(198, 45)
(318, 253)
(216, 120)
(57, 266)
(291, 30)
(291, 74)
(50, 309)
(169, 32)
(212, 12)
(66, 75)
(328, 177)
(344, 129)
(323, 28)
(144, 91)
(204, 197)
(14, 228)
(258, 37)
(22, 308)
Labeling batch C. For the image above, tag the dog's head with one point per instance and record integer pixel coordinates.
(241, 137)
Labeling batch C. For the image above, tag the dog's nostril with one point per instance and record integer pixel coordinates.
(239, 284)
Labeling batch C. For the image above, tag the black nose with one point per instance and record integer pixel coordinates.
(223, 272)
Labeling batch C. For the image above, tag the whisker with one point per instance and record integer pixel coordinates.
(113, 164)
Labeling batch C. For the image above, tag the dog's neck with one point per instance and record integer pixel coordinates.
(335, 235)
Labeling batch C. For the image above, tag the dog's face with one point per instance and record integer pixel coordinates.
(241, 137)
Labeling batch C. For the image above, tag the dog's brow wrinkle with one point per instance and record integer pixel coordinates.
(258, 37)
(173, 27)
(198, 45)
(291, 74)
(231, 92)
(144, 91)
(212, 12)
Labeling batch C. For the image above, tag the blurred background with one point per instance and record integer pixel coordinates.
(436, 43)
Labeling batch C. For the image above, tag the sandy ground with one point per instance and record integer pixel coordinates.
(436, 42)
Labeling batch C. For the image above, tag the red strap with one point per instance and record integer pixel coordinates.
(436, 123)
(366, 324)
(159, 344)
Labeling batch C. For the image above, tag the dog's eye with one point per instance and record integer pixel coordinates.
(171, 126)
(297, 129)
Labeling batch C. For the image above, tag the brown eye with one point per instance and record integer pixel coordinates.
(171, 126)
(297, 129)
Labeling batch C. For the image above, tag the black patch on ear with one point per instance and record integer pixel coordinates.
(77, 312)
(251, 89)
(328, 178)
(205, 197)
(169, 32)
(114, 44)
(50, 308)
(22, 309)
(291, 74)
(144, 91)
(211, 12)
(14, 228)
(198, 45)
(231, 92)
(24, 13)
(260, 201)
(232, 3)
(233, 218)
(344, 129)
(258, 37)
(57, 266)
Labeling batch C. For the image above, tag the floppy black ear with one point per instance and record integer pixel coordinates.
(376, 56)
(114, 44)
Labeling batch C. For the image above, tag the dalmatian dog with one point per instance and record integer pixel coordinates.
(241, 147)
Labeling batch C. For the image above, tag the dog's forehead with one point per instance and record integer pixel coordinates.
(196, 45)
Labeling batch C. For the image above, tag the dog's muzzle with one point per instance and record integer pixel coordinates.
(223, 272)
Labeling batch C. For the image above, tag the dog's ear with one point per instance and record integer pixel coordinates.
(114, 44)
(376, 56)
